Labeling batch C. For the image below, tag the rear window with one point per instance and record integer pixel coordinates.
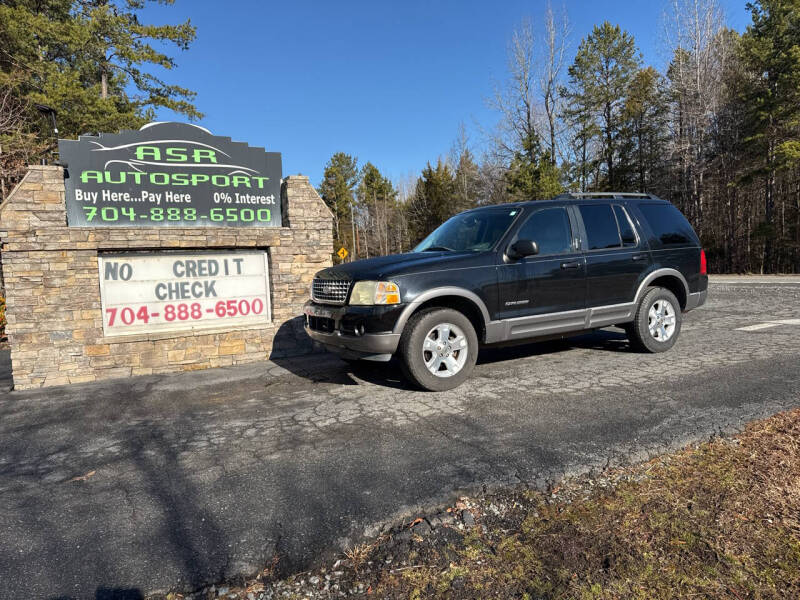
(668, 224)
(601, 226)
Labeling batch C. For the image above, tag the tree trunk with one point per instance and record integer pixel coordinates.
(609, 148)
(353, 226)
(551, 122)
(796, 266)
(769, 205)
(584, 174)
(640, 154)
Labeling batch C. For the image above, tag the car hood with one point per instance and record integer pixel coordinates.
(384, 267)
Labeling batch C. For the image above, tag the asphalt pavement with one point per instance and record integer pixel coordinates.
(113, 490)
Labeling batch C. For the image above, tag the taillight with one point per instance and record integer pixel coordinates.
(703, 266)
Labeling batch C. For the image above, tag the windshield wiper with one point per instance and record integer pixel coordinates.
(437, 249)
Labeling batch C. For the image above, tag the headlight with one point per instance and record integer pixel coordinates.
(375, 292)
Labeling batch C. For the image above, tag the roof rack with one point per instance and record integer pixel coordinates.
(618, 195)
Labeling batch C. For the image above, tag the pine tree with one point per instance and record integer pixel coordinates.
(583, 130)
(770, 51)
(377, 208)
(80, 58)
(467, 182)
(606, 63)
(537, 179)
(337, 190)
(644, 133)
(81, 55)
(432, 201)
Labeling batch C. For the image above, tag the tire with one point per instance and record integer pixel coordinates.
(421, 353)
(657, 303)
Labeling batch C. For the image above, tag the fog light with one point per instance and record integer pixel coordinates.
(359, 329)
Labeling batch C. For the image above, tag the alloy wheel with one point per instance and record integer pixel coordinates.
(445, 350)
(661, 320)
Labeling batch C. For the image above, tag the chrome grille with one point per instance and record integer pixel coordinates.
(329, 291)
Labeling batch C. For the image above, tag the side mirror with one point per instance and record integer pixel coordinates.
(523, 248)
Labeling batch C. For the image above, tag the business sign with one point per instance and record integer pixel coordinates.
(169, 175)
(183, 291)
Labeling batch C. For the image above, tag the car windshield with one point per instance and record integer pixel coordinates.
(469, 232)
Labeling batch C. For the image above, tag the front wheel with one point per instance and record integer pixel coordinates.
(438, 348)
(657, 323)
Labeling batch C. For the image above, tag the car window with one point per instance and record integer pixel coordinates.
(550, 229)
(601, 226)
(472, 231)
(626, 231)
(668, 224)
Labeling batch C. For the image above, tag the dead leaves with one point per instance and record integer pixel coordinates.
(83, 477)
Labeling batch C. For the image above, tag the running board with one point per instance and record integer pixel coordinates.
(559, 322)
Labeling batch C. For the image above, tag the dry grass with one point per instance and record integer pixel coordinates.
(358, 554)
(721, 520)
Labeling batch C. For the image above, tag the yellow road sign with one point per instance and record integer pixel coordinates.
(342, 253)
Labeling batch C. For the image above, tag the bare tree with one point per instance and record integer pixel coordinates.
(18, 146)
(557, 31)
(694, 34)
(516, 99)
(459, 146)
(492, 180)
(466, 171)
(528, 101)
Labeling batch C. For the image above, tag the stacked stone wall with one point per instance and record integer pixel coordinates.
(54, 320)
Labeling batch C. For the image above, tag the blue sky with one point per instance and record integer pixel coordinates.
(389, 82)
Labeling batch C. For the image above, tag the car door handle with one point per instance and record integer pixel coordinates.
(570, 265)
(638, 257)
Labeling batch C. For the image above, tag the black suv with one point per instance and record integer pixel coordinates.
(499, 274)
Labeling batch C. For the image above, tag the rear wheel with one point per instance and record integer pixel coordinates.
(438, 348)
(657, 323)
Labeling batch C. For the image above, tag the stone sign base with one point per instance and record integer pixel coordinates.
(55, 322)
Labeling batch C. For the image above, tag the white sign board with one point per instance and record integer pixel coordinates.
(183, 291)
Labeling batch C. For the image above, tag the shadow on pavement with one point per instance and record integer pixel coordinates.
(294, 351)
(291, 340)
(6, 381)
(111, 594)
(187, 525)
(118, 594)
(325, 367)
(603, 340)
(95, 483)
(386, 374)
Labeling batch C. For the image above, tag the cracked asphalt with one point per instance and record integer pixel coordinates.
(173, 482)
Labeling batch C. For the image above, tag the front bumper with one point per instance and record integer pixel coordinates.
(354, 331)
